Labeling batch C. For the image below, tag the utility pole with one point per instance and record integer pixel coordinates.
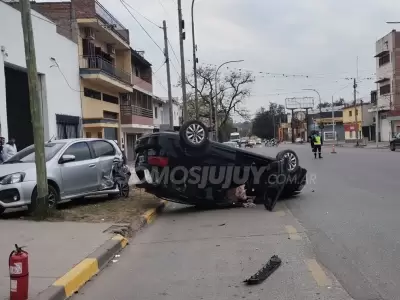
(196, 97)
(171, 106)
(40, 204)
(377, 123)
(355, 109)
(182, 37)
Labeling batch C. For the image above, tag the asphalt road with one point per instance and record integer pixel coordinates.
(351, 214)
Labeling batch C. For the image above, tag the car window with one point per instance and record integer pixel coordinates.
(103, 148)
(80, 150)
(27, 155)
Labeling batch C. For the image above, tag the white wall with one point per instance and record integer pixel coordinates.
(386, 70)
(61, 95)
(160, 113)
(177, 112)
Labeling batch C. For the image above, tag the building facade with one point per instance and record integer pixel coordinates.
(161, 113)
(358, 122)
(332, 128)
(388, 85)
(59, 86)
(115, 79)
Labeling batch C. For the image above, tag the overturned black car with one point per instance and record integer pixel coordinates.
(188, 168)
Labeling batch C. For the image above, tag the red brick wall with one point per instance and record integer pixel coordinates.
(84, 8)
(61, 14)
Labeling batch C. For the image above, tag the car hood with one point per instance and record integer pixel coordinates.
(6, 169)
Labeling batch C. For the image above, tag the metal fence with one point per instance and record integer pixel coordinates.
(97, 62)
(109, 19)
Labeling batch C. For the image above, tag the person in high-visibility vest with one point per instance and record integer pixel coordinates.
(316, 141)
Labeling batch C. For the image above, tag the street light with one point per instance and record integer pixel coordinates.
(320, 107)
(196, 99)
(216, 95)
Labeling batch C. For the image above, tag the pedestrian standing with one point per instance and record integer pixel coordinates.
(9, 149)
(316, 141)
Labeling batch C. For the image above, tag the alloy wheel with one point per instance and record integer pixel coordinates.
(195, 134)
(292, 161)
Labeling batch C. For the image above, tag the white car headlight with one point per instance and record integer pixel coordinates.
(13, 178)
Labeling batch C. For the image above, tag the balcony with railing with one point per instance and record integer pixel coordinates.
(109, 19)
(132, 114)
(98, 65)
(142, 84)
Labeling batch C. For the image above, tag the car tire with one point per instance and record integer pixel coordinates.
(392, 147)
(194, 134)
(123, 188)
(293, 160)
(53, 198)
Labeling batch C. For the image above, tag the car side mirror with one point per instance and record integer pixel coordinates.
(67, 158)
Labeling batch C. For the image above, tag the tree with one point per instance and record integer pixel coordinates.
(339, 102)
(323, 105)
(266, 122)
(233, 90)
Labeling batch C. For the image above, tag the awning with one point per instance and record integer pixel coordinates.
(383, 53)
(382, 80)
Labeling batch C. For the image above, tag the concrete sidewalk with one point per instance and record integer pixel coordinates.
(190, 254)
(53, 247)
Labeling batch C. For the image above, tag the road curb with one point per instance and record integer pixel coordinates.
(80, 274)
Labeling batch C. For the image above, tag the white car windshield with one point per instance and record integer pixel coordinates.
(27, 155)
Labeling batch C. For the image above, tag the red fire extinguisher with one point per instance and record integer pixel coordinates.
(19, 274)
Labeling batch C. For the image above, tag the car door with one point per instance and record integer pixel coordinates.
(105, 152)
(79, 176)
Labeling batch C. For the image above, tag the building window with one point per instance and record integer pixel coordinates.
(110, 115)
(67, 127)
(110, 99)
(92, 93)
(384, 59)
(156, 112)
(350, 113)
(384, 89)
(356, 112)
(351, 134)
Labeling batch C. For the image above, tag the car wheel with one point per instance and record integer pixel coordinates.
(392, 147)
(123, 189)
(293, 160)
(53, 198)
(194, 134)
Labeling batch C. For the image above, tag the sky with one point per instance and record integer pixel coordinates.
(289, 45)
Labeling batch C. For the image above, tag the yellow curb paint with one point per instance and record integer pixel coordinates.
(121, 239)
(151, 213)
(318, 274)
(78, 276)
(280, 213)
(293, 235)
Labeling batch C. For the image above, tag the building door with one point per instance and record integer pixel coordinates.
(111, 134)
(18, 108)
(130, 146)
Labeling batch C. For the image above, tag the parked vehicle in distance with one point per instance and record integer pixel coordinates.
(75, 168)
(299, 140)
(191, 153)
(234, 137)
(232, 144)
(395, 142)
(258, 141)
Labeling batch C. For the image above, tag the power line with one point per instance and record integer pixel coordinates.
(141, 26)
(173, 51)
(159, 82)
(144, 17)
(160, 67)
